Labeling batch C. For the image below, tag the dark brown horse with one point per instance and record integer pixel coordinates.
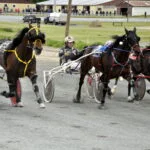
(140, 64)
(111, 64)
(20, 61)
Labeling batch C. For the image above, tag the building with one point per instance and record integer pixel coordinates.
(16, 5)
(78, 6)
(129, 7)
(134, 8)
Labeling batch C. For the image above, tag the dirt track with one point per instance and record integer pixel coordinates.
(64, 125)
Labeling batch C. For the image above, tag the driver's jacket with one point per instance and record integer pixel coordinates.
(68, 53)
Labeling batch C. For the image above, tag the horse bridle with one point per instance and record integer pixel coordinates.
(31, 44)
(135, 43)
(123, 50)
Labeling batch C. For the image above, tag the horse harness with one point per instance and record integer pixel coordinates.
(26, 63)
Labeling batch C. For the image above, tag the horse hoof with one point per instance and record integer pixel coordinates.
(14, 105)
(137, 102)
(121, 78)
(75, 100)
(3, 93)
(42, 105)
(148, 91)
(113, 90)
(131, 101)
(101, 106)
(109, 97)
(20, 104)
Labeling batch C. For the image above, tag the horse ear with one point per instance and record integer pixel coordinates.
(126, 30)
(134, 29)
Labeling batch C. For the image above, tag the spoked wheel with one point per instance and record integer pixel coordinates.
(48, 91)
(139, 88)
(89, 86)
(98, 91)
(19, 92)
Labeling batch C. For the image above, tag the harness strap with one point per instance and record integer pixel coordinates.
(20, 60)
(36, 29)
(123, 65)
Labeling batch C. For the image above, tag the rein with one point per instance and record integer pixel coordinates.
(119, 49)
(134, 46)
(119, 62)
(20, 60)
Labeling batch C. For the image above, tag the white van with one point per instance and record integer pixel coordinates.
(56, 18)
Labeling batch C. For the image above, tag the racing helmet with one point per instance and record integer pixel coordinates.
(69, 39)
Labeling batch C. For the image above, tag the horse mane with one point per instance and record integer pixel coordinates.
(17, 40)
(117, 39)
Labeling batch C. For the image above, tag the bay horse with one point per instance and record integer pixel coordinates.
(111, 64)
(140, 64)
(20, 61)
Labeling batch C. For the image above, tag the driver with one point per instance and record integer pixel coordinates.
(68, 52)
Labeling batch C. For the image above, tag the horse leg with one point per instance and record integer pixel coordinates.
(109, 92)
(36, 91)
(105, 81)
(12, 83)
(113, 90)
(78, 96)
(105, 89)
(130, 86)
(13, 88)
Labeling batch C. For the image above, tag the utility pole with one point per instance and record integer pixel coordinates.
(69, 10)
(128, 12)
(54, 9)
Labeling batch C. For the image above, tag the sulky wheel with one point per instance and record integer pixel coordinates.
(48, 91)
(139, 88)
(19, 92)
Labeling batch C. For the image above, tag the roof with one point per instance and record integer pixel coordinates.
(74, 2)
(16, 1)
(136, 3)
(140, 3)
(112, 3)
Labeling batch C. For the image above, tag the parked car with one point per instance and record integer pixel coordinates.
(56, 18)
(31, 19)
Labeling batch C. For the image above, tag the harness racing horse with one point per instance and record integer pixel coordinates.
(20, 61)
(140, 64)
(112, 63)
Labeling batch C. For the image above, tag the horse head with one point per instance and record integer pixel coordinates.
(133, 39)
(36, 38)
